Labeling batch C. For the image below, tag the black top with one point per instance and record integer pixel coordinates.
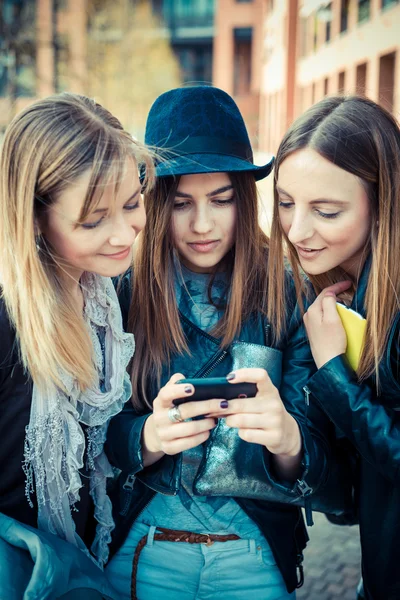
(372, 424)
(15, 404)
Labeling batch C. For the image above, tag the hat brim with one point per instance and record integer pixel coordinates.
(191, 164)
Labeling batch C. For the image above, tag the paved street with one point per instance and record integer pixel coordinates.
(331, 562)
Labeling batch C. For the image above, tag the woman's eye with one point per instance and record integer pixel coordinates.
(223, 201)
(285, 204)
(132, 206)
(328, 215)
(92, 225)
(180, 205)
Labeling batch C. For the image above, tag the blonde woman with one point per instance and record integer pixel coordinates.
(70, 210)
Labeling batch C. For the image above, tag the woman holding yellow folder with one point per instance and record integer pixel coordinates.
(337, 209)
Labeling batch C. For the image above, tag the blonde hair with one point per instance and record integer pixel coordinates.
(46, 147)
(362, 138)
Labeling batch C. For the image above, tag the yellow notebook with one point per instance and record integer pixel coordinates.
(354, 325)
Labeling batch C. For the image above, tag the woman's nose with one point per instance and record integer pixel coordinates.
(203, 221)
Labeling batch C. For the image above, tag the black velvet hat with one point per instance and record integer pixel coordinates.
(200, 130)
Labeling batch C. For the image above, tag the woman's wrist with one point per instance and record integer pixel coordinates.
(294, 442)
(151, 452)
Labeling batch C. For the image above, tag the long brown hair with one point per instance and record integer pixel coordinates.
(153, 316)
(362, 138)
(46, 147)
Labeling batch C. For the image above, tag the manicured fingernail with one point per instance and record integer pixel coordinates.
(231, 376)
(224, 404)
(188, 389)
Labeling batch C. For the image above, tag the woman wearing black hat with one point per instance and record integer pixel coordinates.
(200, 473)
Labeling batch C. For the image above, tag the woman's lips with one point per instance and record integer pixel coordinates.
(119, 255)
(309, 253)
(204, 247)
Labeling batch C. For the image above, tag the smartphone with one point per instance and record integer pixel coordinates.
(216, 387)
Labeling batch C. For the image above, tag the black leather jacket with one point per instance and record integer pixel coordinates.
(281, 524)
(372, 424)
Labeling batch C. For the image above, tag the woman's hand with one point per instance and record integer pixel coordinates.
(264, 420)
(324, 328)
(162, 436)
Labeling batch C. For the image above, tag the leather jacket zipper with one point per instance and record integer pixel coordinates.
(215, 360)
(212, 363)
(305, 490)
(128, 489)
(303, 487)
(267, 330)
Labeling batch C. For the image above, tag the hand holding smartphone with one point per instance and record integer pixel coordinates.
(216, 387)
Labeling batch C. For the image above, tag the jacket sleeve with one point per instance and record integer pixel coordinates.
(356, 410)
(315, 428)
(123, 445)
(124, 451)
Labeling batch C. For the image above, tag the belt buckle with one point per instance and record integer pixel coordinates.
(209, 541)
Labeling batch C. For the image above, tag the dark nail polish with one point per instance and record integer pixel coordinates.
(188, 389)
(231, 376)
(224, 404)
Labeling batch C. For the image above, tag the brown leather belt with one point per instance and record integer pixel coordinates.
(175, 535)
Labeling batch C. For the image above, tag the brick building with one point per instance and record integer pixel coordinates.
(315, 48)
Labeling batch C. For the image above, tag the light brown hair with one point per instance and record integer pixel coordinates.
(46, 148)
(362, 138)
(153, 316)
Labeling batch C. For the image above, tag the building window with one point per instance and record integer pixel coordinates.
(186, 13)
(328, 24)
(344, 15)
(242, 50)
(364, 10)
(326, 86)
(315, 34)
(361, 79)
(196, 63)
(387, 66)
(389, 3)
(341, 82)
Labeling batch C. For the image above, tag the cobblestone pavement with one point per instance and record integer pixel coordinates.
(331, 562)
